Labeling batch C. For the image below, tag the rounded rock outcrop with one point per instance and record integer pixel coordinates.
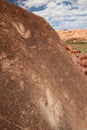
(40, 87)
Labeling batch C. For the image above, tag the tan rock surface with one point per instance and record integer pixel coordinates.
(73, 35)
(40, 87)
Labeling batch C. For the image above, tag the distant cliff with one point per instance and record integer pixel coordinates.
(77, 35)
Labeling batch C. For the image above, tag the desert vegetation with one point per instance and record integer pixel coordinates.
(79, 42)
(81, 45)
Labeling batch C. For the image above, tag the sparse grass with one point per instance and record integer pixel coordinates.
(79, 45)
(71, 42)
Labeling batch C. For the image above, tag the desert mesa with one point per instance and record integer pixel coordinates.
(75, 35)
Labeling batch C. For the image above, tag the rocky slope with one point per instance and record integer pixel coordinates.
(40, 87)
(73, 35)
(78, 35)
(79, 58)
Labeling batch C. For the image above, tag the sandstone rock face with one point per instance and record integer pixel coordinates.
(40, 88)
(77, 35)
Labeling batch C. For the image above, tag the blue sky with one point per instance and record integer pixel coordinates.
(61, 14)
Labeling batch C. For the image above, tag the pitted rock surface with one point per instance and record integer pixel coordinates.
(40, 87)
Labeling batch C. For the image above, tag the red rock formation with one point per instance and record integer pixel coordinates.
(78, 58)
(73, 35)
(83, 56)
(40, 87)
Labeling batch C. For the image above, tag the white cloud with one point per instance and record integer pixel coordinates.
(60, 16)
(31, 3)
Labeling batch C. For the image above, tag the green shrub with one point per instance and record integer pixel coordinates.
(71, 42)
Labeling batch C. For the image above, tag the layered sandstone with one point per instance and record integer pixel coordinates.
(77, 35)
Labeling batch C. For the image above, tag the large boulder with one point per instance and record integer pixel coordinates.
(40, 87)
